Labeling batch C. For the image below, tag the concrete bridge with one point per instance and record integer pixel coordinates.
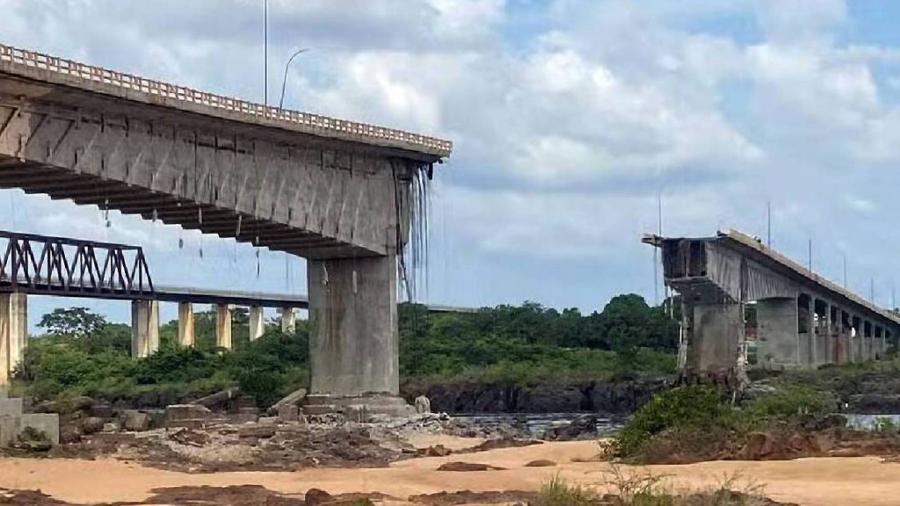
(746, 303)
(340, 193)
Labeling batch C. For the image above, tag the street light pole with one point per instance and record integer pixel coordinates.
(284, 80)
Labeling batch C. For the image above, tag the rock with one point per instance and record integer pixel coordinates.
(437, 451)
(136, 421)
(113, 426)
(423, 405)
(289, 413)
(467, 467)
(101, 410)
(316, 497)
(541, 463)
(176, 412)
(267, 420)
(92, 424)
(257, 431)
(759, 445)
(69, 434)
(583, 426)
(294, 398)
(34, 440)
(218, 399)
(189, 437)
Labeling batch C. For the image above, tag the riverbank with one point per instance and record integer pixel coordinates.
(817, 481)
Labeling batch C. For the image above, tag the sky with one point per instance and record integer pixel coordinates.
(571, 121)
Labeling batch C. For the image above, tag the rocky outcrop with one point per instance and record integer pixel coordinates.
(620, 397)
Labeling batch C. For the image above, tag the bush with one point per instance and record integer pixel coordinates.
(685, 407)
(788, 401)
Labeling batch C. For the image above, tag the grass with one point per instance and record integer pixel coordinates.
(647, 489)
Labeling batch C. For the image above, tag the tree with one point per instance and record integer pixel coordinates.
(76, 322)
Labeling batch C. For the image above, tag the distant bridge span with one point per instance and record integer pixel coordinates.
(747, 304)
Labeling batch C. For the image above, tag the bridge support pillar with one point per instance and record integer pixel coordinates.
(257, 322)
(13, 333)
(716, 333)
(777, 323)
(288, 320)
(144, 328)
(186, 324)
(353, 337)
(223, 326)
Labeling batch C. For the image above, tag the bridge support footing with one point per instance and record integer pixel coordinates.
(13, 333)
(144, 328)
(353, 338)
(717, 331)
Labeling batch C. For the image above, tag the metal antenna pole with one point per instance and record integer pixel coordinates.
(266, 53)
(810, 256)
(844, 257)
(769, 223)
(872, 289)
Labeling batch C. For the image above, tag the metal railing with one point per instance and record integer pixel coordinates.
(92, 73)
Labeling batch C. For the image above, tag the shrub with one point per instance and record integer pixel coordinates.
(689, 406)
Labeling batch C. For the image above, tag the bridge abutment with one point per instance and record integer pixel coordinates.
(144, 328)
(13, 333)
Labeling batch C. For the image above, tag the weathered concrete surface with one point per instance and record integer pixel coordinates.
(717, 331)
(779, 341)
(13, 333)
(353, 327)
(257, 322)
(223, 326)
(288, 320)
(144, 328)
(13, 421)
(186, 324)
(803, 319)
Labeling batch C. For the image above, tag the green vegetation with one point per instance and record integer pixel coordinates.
(529, 343)
(635, 488)
(705, 411)
(83, 354)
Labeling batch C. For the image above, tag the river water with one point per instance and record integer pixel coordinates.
(536, 424)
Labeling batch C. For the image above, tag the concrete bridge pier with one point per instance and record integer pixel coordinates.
(353, 338)
(223, 326)
(144, 328)
(257, 322)
(288, 320)
(716, 333)
(186, 324)
(777, 323)
(13, 333)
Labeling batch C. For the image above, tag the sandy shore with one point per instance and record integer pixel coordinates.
(821, 481)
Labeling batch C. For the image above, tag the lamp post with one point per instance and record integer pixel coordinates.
(284, 80)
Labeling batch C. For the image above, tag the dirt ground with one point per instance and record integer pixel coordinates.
(816, 481)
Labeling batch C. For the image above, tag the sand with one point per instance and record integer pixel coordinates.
(818, 481)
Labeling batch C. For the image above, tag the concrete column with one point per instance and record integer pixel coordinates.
(223, 326)
(257, 322)
(144, 328)
(13, 333)
(777, 328)
(828, 340)
(353, 337)
(715, 336)
(186, 324)
(288, 320)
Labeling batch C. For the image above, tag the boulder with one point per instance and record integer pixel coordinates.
(92, 424)
(136, 421)
(294, 398)
(316, 497)
(580, 427)
(423, 405)
(289, 413)
(467, 467)
(437, 451)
